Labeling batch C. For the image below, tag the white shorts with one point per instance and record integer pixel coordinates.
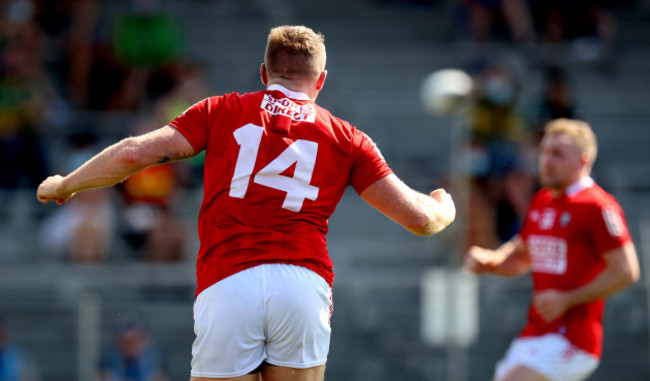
(551, 355)
(276, 313)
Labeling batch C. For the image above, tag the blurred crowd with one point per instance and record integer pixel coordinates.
(63, 59)
(544, 28)
(129, 354)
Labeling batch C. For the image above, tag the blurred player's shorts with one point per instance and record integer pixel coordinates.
(550, 355)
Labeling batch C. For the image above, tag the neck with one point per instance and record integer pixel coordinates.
(561, 189)
(299, 86)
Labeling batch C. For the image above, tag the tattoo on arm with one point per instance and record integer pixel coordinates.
(164, 159)
(172, 156)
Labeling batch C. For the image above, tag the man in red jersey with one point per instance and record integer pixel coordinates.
(276, 165)
(577, 245)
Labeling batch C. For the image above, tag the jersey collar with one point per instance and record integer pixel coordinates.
(579, 186)
(289, 93)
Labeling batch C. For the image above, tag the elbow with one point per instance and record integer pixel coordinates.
(129, 156)
(633, 276)
(628, 276)
(632, 271)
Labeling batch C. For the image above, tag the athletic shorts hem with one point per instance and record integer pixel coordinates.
(296, 365)
(537, 368)
(224, 375)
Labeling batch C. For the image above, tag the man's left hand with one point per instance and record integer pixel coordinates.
(550, 304)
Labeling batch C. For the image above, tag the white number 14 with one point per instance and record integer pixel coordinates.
(301, 152)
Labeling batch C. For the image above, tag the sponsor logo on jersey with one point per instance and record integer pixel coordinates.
(547, 219)
(565, 218)
(287, 107)
(548, 254)
(613, 221)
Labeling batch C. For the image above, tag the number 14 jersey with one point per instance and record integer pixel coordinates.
(276, 165)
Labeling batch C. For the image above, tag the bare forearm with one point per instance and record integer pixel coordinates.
(512, 259)
(622, 270)
(604, 285)
(107, 168)
(418, 213)
(116, 163)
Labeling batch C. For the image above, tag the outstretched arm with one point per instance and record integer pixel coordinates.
(419, 213)
(510, 259)
(621, 271)
(117, 162)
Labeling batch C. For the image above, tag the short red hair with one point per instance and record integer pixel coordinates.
(295, 52)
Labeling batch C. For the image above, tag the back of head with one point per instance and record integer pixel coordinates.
(581, 134)
(295, 52)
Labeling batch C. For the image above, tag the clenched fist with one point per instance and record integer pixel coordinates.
(52, 189)
(447, 203)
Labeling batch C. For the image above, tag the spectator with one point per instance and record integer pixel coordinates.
(15, 363)
(133, 356)
(500, 183)
(587, 24)
(149, 219)
(555, 102)
(146, 41)
(25, 93)
(486, 20)
(70, 27)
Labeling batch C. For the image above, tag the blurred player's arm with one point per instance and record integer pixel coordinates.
(621, 271)
(510, 259)
(117, 162)
(417, 212)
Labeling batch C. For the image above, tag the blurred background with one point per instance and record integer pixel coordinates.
(102, 287)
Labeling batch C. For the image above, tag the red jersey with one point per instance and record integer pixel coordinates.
(566, 238)
(276, 165)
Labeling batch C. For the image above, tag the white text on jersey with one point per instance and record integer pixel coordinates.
(287, 107)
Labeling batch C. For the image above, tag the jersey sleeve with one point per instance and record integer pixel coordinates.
(608, 227)
(193, 123)
(368, 164)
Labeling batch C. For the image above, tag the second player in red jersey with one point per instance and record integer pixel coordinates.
(566, 238)
(577, 245)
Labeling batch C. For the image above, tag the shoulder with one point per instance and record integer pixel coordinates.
(541, 196)
(340, 129)
(597, 198)
(326, 116)
(233, 98)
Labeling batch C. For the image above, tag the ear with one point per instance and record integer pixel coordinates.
(584, 160)
(265, 78)
(321, 80)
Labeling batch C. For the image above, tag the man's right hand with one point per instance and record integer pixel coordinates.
(51, 189)
(479, 260)
(446, 202)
